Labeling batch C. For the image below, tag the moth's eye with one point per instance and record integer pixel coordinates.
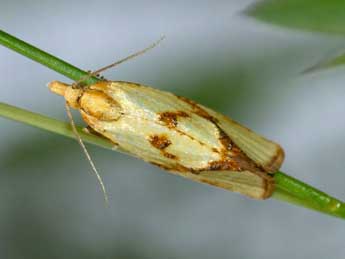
(98, 104)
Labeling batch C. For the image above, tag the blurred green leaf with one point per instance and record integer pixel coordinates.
(313, 15)
(327, 63)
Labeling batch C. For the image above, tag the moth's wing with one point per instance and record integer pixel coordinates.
(155, 143)
(257, 185)
(268, 154)
(191, 141)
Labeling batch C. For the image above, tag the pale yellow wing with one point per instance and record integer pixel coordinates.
(255, 185)
(268, 154)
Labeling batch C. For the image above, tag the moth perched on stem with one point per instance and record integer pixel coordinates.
(178, 135)
(175, 133)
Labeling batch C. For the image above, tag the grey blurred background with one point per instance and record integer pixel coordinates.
(51, 205)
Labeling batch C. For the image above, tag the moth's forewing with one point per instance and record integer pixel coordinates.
(256, 185)
(155, 143)
(268, 154)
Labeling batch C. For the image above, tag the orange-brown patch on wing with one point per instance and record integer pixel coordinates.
(223, 164)
(161, 142)
(277, 159)
(232, 157)
(169, 155)
(197, 109)
(170, 118)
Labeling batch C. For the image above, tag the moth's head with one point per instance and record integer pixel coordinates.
(70, 94)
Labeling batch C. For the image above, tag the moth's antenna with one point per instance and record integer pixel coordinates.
(81, 143)
(95, 73)
(129, 57)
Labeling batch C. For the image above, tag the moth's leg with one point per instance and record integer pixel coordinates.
(98, 75)
(78, 84)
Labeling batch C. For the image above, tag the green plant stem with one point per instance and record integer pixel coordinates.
(287, 189)
(44, 58)
(50, 124)
(291, 190)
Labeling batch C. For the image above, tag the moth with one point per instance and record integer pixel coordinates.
(178, 135)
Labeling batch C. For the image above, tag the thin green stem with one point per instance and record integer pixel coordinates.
(288, 188)
(44, 58)
(296, 192)
(49, 124)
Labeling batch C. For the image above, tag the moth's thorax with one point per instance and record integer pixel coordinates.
(99, 105)
(92, 101)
